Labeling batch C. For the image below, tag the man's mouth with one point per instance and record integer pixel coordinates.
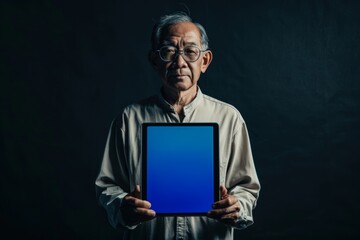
(177, 75)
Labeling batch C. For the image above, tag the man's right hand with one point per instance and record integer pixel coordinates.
(135, 210)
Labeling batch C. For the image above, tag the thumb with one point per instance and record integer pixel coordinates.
(223, 192)
(136, 193)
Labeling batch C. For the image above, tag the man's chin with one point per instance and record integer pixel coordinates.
(179, 86)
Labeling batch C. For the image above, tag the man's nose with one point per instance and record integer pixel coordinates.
(179, 61)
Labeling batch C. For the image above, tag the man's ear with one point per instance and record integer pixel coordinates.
(206, 60)
(153, 59)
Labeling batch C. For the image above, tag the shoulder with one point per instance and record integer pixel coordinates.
(141, 104)
(224, 107)
(134, 110)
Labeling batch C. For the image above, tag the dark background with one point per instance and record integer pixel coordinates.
(290, 67)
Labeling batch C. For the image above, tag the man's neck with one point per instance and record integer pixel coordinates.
(179, 99)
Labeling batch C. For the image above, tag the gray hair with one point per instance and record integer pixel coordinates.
(168, 20)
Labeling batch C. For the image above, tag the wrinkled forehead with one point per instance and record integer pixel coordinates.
(185, 32)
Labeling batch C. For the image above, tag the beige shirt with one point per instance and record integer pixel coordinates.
(121, 167)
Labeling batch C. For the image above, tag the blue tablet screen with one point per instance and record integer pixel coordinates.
(180, 168)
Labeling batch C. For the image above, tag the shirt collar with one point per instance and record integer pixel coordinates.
(187, 108)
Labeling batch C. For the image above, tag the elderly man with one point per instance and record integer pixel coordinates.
(180, 55)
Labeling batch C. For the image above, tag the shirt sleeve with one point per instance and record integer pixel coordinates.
(241, 178)
(112, 182)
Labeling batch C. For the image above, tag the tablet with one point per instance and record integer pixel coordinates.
(180, 167)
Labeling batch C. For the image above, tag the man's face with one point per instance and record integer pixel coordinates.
(178, 73)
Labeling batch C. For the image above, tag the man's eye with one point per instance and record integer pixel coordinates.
(190, 51)
(170, 50)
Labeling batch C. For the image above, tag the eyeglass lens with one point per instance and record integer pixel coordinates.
(190, 53)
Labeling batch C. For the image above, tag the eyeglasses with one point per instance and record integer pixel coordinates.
(189, 53)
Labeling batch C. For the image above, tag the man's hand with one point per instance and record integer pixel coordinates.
(135, 210)
(226, 210)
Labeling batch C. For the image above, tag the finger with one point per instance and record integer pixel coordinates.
(144, 219)
(219, 213)
(223, 191)
(136, 193)
(145, 213)
(224, 203)
(230, 218)
(136, 202)
(134, 216)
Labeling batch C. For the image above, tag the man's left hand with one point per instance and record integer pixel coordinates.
(226, 210)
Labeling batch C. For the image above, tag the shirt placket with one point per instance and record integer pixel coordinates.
(180, 228)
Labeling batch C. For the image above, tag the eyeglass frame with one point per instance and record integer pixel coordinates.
(180, 52)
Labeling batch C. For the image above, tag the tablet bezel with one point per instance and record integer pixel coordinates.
(144, 189)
